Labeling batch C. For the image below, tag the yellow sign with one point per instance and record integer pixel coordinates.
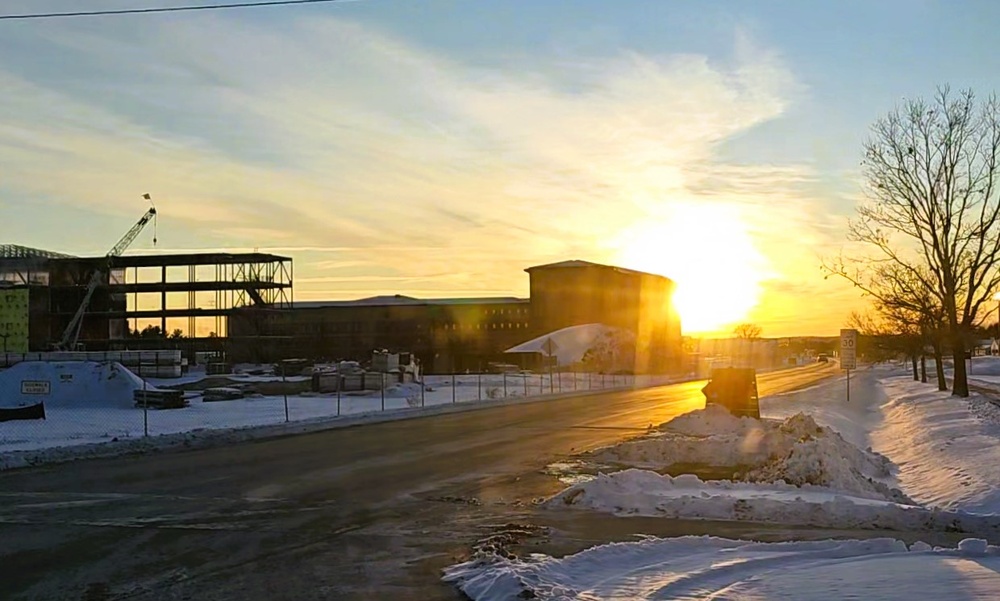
(14, 320)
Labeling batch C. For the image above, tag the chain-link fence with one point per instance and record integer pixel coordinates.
(106, 402)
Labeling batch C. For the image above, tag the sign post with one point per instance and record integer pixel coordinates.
(848, 355)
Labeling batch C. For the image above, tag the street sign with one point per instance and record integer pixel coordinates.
(550, 347)
(34, 387)
(848, 349)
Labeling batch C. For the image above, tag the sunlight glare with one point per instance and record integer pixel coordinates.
(708, 251)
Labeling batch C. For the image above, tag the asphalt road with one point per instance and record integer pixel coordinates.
(370, 512)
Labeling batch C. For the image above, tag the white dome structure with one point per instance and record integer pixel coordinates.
(569, 345)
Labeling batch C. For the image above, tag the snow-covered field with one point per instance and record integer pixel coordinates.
(96, 408)
(899, 456)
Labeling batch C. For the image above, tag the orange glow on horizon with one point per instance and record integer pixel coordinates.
(710, 254)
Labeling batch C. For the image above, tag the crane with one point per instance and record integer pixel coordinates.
(72, 332)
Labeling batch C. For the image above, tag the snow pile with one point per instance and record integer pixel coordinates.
(947, 448)
(709, 567)
(795, 450)
(710, 421)
(810, 462)
(71, 384)
(644, 493)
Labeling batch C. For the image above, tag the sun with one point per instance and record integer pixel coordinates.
(708, 250)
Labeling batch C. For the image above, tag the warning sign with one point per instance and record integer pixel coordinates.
(35, 387)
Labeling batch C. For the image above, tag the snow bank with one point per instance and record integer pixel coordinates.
(947, 449)
(71, 384)
(643, 493)
(795, 450)
(709, 567)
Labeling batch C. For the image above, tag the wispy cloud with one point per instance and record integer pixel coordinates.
(326, 137)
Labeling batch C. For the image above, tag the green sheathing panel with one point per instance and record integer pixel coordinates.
(14, 320)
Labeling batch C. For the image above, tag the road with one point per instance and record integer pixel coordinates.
(370, 512)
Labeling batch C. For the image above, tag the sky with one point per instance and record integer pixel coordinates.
(438, 148)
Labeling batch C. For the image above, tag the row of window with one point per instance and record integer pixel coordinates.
(389, 326)
(505, 311)
(488, 326)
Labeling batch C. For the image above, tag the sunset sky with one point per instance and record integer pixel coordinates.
(437, 148)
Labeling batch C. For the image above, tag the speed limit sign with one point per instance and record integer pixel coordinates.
(848, 349)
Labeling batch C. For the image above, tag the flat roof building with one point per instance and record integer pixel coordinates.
(459, 334)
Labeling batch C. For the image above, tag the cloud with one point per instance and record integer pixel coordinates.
(329, 137)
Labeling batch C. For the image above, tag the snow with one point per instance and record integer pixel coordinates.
(71, 384)
(898, 441)
(571, 343)
(815, 460)
(636, 492)
(100, 409)
(795, 450)
(947, 449)
(716, 568)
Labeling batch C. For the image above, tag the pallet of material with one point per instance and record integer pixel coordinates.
(160, 399)
(221, 394)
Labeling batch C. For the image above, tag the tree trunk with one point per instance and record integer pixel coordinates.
(923, 368)
(939, 361)
(913, 361)
(960, 386)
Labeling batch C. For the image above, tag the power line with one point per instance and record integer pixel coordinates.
(162, 9)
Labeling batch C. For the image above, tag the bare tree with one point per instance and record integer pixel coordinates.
(932, 215)
(877, 341)
(747, 331)
(906, 304)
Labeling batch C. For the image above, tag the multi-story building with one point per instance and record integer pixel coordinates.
(194, 293)
(579, 292)
(455, 334)
(468, 333)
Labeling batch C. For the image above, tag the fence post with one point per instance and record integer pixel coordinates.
(525, 384)
(340, 384)
(602, 380)
(559, 375)
(453, 387)
(479, 384)
(381, 385)
(504, 384)
(145, 409)
(284, 391)
(423, 388)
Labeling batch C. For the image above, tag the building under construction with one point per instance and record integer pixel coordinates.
(195, 294)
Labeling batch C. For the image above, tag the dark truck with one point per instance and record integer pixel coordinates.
(735, 389)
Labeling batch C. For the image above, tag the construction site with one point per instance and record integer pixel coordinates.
(240, 308)
(54, 302)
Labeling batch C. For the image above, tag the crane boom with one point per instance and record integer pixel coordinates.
(72, 331)
(131, 235)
